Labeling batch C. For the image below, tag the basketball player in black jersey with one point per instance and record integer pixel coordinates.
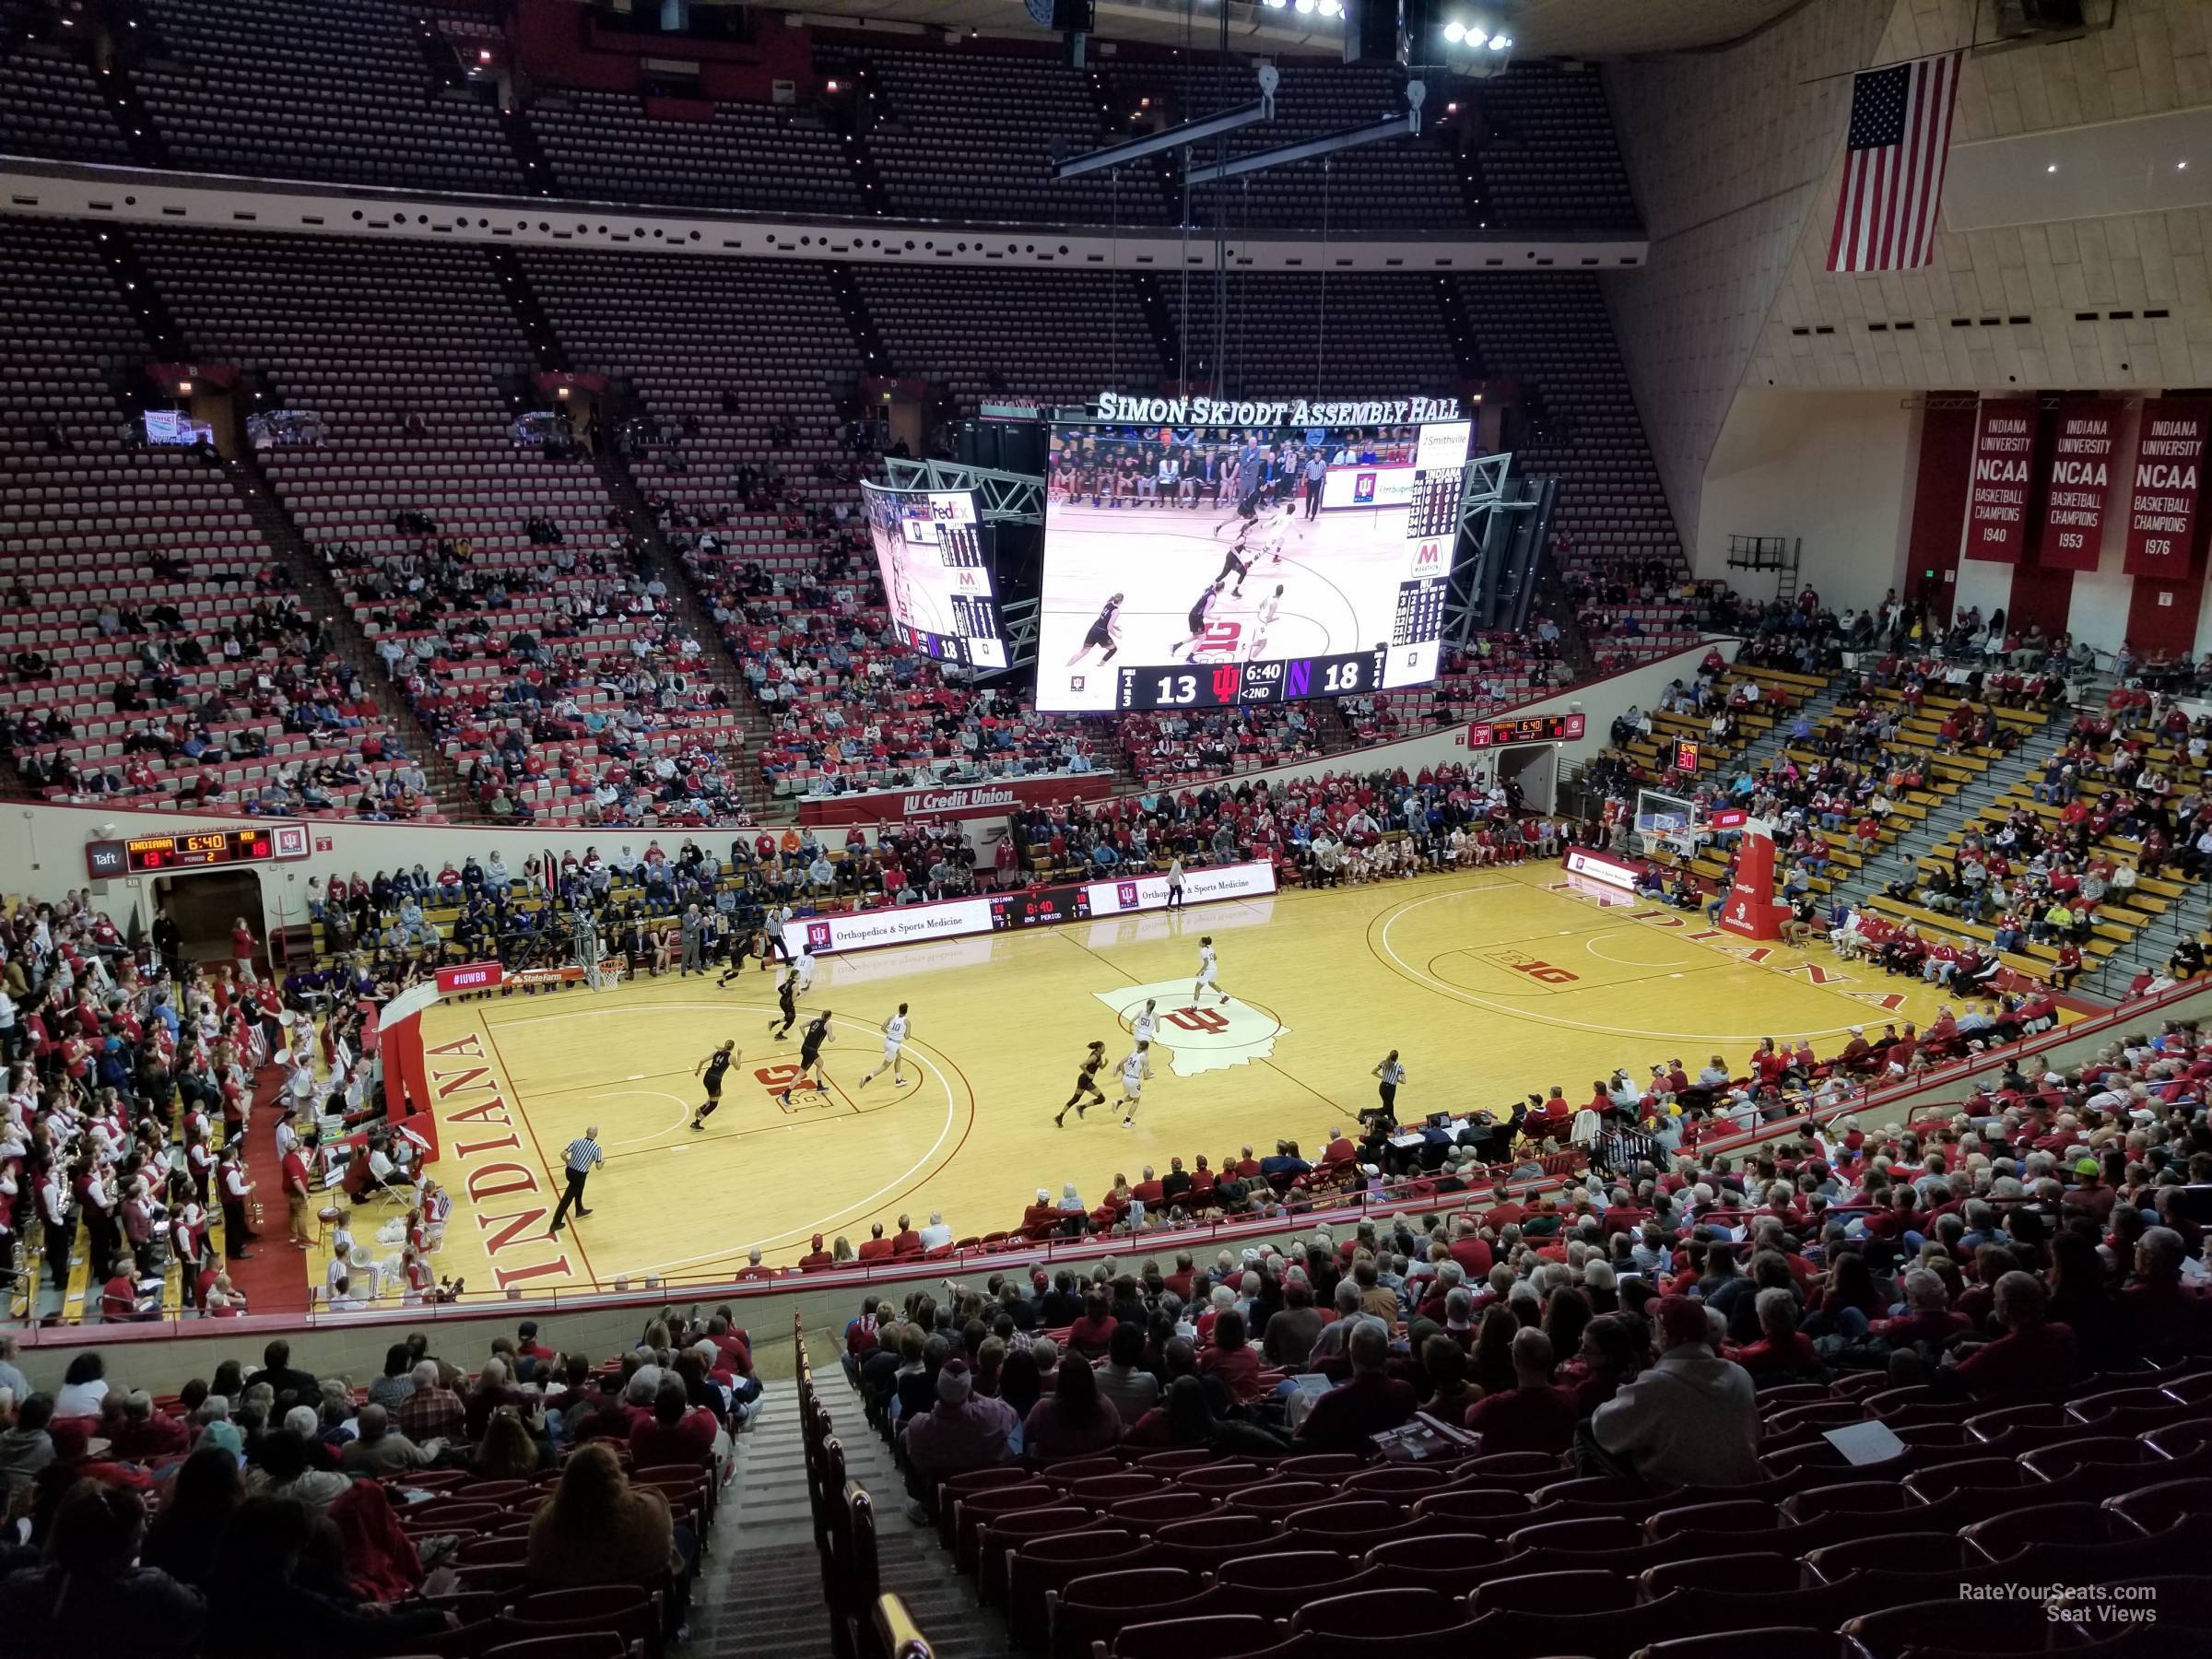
(711, 1068)
(787, 991)
(743, 944)
(810, 1056)
(1101, 634)
(1198, 619)
(1086, 1083)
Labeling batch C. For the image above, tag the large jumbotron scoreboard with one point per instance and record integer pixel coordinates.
(1200, 567)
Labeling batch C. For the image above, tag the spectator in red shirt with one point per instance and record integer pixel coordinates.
(906, 1241)
(1927, 1316)
(816, 1259)
(2033, 1356)
(1782, 1352)
(877, 1248)
(1091, 1334)
(1231, 1359)
(1532, 1415)
(296, 1192)
(676, 1432)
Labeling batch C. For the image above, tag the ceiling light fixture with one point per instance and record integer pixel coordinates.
(1501, 43)
(1456, 31)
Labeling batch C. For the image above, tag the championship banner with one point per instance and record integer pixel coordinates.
(955, 800)
(2166, 488)
(2082, 487)
(1996, 512)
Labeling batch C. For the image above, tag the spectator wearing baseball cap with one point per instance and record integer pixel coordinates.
(963, 1430)
(1689, 1419)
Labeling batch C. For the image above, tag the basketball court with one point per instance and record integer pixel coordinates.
(1491, 984)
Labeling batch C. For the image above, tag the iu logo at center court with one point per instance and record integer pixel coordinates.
(1201, 1035)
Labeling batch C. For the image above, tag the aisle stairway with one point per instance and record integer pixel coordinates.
(769, 1601)
(1949, 815)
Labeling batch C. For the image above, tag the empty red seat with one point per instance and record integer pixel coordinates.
(1208, 1540)
(1800, 1642)
(1402, 1482)
(1525, 1470)
(1322, 1465)
(1234, 1635)
(1354, 1525)
(1413, 1622)
(1762, 1572)
(1049, 1563)
(1152, 1511)
(1275, 1499)
(972, 1510)
(1996, 1630)
(1452, 1562)
(1933, 1553)
(1222, 1478)
(1555, 1593)
(2068, 1526)
(1277, 1582)
(1101, 1489)
(2155, 1508)
(1607, 1634)
(1475, 1509)
(1096, 1607)
(1001, 1535)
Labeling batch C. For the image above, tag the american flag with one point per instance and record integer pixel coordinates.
(1900, 136)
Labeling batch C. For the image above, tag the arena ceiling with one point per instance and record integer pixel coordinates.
(1581, 29)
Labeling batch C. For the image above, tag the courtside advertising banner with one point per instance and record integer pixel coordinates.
(900, 924)
(2167, 488)
(1199, 886)
(2082, 467)
(1602, 866)
(1996, 512)
(956, 918)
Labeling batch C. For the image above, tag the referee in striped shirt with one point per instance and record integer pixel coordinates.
(584, 1157)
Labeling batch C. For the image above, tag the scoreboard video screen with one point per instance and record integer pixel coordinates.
(936, 579)
(1200, 568)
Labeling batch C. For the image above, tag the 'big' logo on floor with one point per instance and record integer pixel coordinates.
(1193, 1035)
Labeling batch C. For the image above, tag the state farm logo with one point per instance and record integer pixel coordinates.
(1197, 1036)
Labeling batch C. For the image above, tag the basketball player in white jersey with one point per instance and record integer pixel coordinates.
(1133, 1068)
(1263, 619)
(1144, 1025)
(1206, 970)
(802, 969)
(894, 1044)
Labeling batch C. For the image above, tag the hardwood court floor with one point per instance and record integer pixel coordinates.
(1490, 983)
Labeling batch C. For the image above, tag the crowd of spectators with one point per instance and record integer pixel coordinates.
(293, 1511)
(2045, 1230)
(566, 688)
(263, 717)
(130, 1084)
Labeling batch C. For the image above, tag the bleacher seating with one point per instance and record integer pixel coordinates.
(51, 104)
(971, 135)
(156, 542)
(514, 629)
(607, 147)
(336, 90)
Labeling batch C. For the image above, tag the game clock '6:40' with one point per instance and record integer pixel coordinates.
(1225, 685)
